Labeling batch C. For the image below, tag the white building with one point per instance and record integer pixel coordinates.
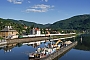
(35, 31)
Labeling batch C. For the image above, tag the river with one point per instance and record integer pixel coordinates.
(20, 51)
(81, 51)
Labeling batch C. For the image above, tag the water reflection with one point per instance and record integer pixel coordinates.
(83, 42)
(8, 47)
(57, 58)
(35, 45)
(76, 55)
(19, 51)
(81, 51)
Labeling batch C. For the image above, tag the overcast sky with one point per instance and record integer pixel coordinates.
(43, 11)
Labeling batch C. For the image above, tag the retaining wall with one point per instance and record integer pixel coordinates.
(27, 40)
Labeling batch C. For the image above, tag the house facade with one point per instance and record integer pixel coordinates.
(7, 32)
(35, 31)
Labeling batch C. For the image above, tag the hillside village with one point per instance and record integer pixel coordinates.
(75, 24)
(10, 33)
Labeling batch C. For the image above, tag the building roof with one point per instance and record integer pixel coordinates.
(6, 29)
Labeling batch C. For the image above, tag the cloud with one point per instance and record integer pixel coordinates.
(45, 0)
(42, 6)
(29, 2)
(9, 0)
(39, 8)
(15, 1)
(35, 10)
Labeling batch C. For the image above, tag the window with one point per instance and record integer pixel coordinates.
(12, 32)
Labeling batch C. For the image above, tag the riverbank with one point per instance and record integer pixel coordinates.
(26, 40)
(2, 42)
(30, 39)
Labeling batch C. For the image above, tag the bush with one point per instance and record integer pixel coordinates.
(1, 38)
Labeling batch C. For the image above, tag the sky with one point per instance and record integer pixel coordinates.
(43, 11)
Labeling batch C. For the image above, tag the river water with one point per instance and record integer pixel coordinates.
(81, 51)
(20, 51)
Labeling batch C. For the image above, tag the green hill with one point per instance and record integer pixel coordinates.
(79, 22)
(19, 24)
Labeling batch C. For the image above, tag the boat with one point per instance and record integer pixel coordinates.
(45, 51)
(36, 56)
(41, 53)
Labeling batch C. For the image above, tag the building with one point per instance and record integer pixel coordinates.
(8, 32)
(32, 31)
(25, 27)
(35, 31)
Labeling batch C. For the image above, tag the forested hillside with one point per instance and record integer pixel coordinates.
(79, 22)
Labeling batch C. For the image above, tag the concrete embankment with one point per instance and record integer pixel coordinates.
(60, 52)
(26, 40)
